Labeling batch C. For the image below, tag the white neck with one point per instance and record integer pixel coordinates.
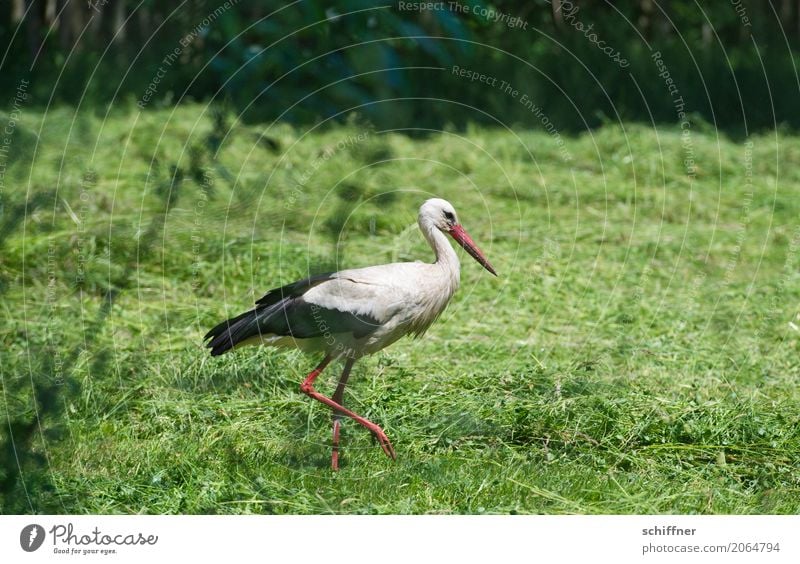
(446, 256)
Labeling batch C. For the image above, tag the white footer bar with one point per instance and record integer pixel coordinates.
(386, 539)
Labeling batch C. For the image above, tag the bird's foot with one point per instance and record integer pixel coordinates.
(377, 434)
(383, 440)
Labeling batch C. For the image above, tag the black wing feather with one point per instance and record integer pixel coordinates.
(282, 311)
(293, 290)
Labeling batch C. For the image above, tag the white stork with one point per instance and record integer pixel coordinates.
(352, 313)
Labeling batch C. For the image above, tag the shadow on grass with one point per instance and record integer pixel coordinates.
(38, 392)
(26, 485)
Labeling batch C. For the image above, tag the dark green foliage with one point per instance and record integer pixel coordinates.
(308, 62)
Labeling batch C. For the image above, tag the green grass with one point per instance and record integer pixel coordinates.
(637, 354)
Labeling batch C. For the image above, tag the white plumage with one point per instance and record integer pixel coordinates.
(352, 313)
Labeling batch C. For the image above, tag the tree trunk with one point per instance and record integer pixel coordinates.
(119, 20)
(17, 10)
(558, 19)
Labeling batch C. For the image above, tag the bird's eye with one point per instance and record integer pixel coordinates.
(449, 216)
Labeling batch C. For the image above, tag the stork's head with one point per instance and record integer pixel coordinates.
(442, 215)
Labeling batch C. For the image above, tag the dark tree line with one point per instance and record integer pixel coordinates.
(713, 50)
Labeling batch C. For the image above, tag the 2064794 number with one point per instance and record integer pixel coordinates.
(755, 547)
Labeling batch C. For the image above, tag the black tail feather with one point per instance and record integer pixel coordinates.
(284, 312)
(231, 332)
(227, 334)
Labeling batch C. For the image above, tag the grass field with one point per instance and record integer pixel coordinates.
(637, 354)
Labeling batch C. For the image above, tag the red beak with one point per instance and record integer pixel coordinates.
(462, 238)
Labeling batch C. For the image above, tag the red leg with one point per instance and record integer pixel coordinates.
(338, 397)
(335, 453)
(307, 387)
